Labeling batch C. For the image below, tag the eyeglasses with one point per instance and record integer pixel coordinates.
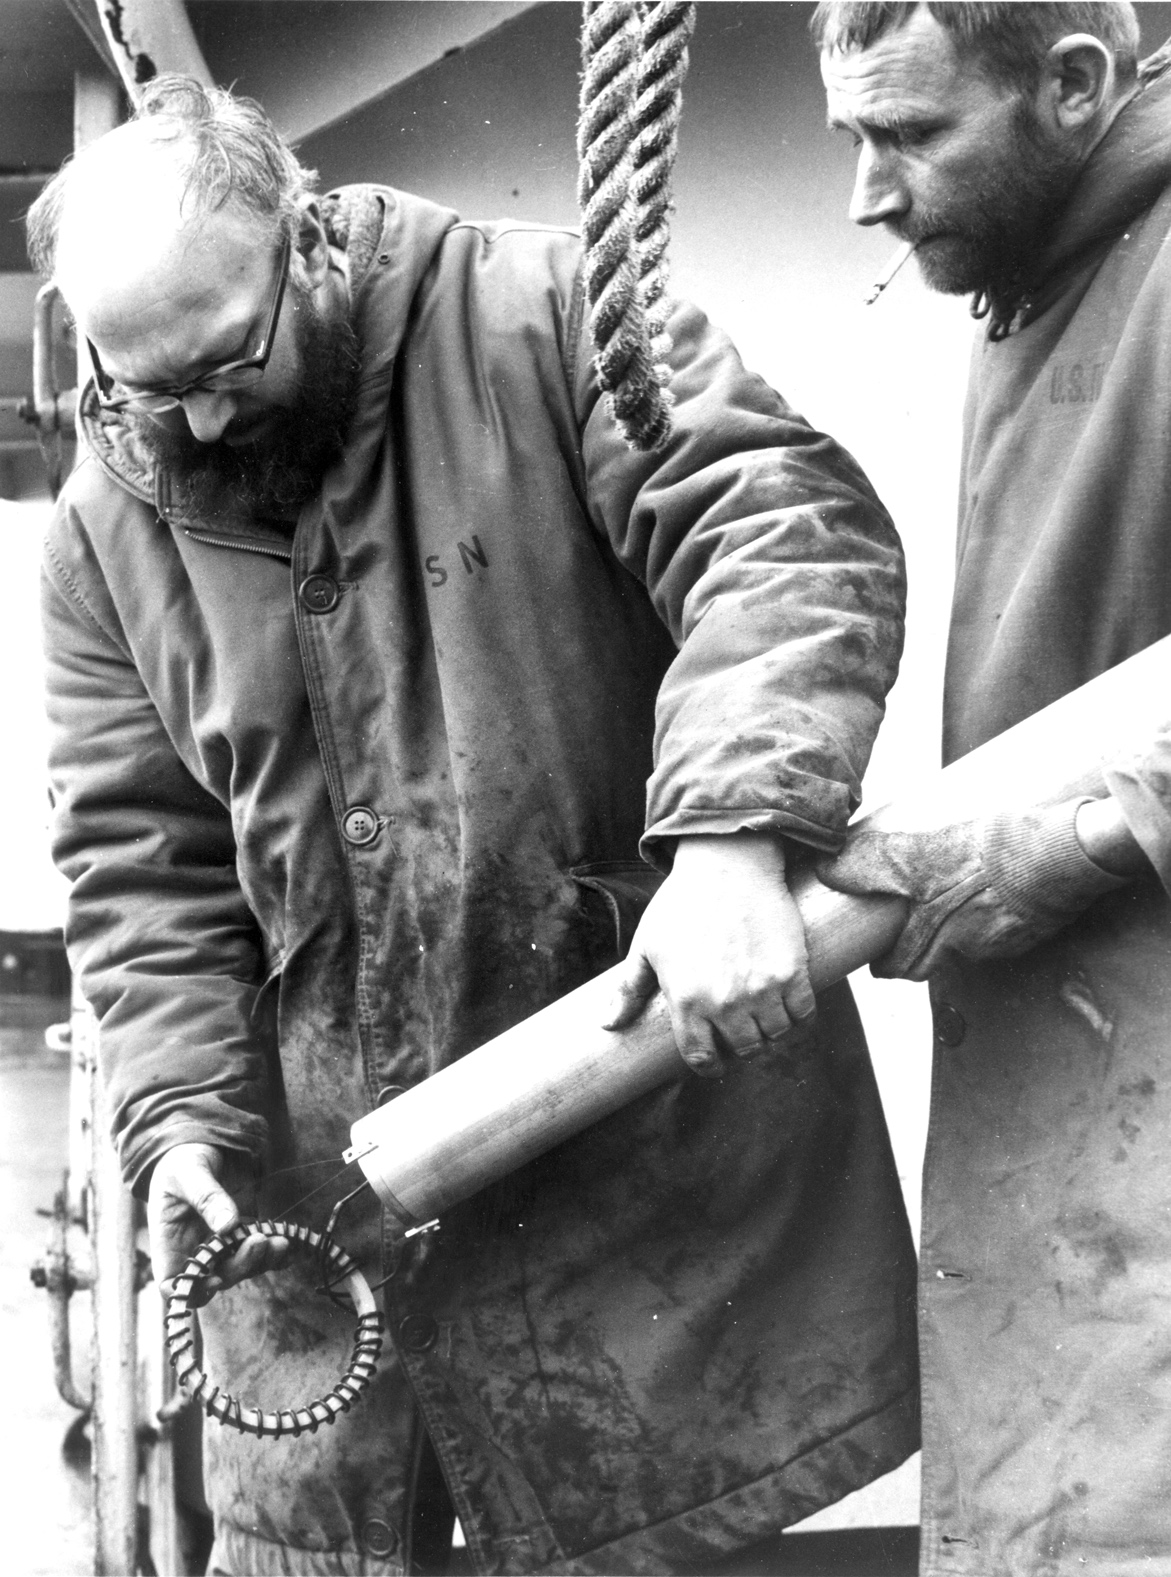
(235, 374)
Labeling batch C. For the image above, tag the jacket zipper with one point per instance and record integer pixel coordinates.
(269, 550)
(159, 502)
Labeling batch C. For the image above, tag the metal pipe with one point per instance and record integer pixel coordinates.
(150, 36)
(44, 381)
(96, 110)
(115, 1369)
(61, 1278)
(50, 412)
(559, 1071)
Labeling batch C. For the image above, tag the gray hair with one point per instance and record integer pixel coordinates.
(236, 156)
(1009, 42)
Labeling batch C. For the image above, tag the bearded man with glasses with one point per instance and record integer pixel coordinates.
(201, 429)
(238, 372)
(358, 613)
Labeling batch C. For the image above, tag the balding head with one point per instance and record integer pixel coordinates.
(127, 213)
(187, 153)
(197, 266)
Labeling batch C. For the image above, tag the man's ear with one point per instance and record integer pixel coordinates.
(312, 246)
(1078, 81)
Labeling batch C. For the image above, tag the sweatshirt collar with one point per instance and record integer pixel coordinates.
(1122, 177)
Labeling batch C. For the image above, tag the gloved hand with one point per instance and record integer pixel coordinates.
(990, 888)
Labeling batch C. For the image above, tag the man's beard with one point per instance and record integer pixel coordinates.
(272, 477)
(993, 231)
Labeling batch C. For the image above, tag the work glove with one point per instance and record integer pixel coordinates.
(988, 888)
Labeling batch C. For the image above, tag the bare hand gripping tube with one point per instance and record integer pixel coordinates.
(559, 1071)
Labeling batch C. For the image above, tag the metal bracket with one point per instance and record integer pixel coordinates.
(60, 1277)
(50, 411)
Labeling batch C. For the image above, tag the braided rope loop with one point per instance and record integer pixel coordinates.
(225, 1408)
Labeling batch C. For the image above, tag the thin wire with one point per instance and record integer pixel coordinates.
(327, 1285)
(320, 1189)
(303, 1166)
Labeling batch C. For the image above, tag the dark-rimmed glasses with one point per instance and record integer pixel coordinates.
(236, 374)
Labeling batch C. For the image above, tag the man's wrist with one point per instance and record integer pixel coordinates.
(725, 845)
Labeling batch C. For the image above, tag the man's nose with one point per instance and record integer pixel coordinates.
(880, 192)
(208, 412)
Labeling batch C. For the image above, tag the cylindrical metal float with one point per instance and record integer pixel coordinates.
(559, 1071)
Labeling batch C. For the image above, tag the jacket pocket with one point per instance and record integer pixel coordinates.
(619, 890)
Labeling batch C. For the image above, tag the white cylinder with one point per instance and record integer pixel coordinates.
(559, 1071)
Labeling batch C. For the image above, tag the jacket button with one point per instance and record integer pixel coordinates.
(417, 1333)
(388, 1093)
(319, 593)
(950, 1028)
(379, 1537)
(360, 825)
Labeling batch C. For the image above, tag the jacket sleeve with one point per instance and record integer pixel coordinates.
(165, 948)
(780, 576)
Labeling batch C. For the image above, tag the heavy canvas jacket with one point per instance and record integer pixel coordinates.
(1046, 1248)
(340, 806)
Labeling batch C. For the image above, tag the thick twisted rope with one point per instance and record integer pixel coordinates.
(667, 29)
(634, 59)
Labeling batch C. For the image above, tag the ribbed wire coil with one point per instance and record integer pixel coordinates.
(634, 59)
(224, 1407)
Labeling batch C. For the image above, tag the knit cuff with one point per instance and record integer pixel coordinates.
(1143, 790)
(1038, 866)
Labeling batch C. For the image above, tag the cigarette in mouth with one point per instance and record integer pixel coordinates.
(889, 272)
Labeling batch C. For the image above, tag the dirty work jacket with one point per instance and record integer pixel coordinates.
(1046, 1247)
(339, 808)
